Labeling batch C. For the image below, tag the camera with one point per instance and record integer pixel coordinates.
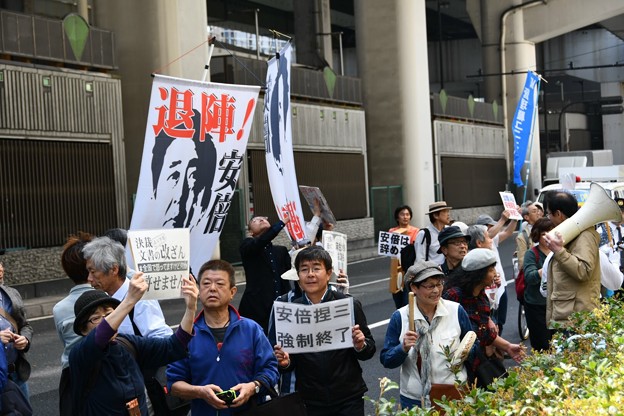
(227, 396)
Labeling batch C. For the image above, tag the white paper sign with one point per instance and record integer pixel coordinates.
(391, 244)
(163, 257)
(314, 328)
(336, 245)
(509, 202)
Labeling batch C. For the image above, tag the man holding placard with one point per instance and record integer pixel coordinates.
(106, 263)
(230, 359)
(330, 382)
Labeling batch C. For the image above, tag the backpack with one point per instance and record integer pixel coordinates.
(408, 253)
(520, 283)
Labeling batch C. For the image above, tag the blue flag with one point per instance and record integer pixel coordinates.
(522, 125)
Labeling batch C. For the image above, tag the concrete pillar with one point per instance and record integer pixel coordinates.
(149, 34)
(323, 26)
(393, 66)
(83, 9)
(306, 33)
(613, 124)
(490, 47)
(520, 56)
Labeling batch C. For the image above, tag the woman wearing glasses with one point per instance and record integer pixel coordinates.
(105, 369)
(438, 323)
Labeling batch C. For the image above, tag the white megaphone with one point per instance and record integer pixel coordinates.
(599, 207)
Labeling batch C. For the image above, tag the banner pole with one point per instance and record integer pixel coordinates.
(207, 66)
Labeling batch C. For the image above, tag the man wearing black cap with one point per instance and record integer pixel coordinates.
(453, 246)
(426, 242)
(105, 374)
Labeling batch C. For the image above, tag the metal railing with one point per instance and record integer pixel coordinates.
(42, 38)
(305, 83)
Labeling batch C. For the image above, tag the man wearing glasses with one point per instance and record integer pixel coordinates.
(454, 246)
(264, 264)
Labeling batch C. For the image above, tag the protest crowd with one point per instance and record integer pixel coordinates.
(296, 341)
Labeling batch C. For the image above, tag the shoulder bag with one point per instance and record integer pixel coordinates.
(288, 404)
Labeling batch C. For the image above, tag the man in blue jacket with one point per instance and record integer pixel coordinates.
(228, 352)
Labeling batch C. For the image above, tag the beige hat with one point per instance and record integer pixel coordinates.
(438, 206)
(423, 270)
(292, 273)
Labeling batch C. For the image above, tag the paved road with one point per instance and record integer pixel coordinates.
(368, 284)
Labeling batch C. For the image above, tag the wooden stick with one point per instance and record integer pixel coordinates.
(411, 311)
(609, 236)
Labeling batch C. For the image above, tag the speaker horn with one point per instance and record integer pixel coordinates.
(599, 207)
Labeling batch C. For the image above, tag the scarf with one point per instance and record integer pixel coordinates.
(423, 346)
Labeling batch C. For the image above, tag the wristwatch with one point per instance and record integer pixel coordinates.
(257, 383)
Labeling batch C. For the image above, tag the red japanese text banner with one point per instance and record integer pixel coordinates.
(280, 160)
(195, 140)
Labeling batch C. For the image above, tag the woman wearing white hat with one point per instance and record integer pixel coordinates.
(467, 287)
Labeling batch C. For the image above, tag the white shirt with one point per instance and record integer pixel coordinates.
(421, 246)
(148, 316)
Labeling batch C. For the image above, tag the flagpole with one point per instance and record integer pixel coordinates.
(207, 66)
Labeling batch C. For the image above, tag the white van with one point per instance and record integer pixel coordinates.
(581, 190)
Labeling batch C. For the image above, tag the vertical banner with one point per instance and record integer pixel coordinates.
(280, 160)
(522, 125)
(163, 257)
(195, 140)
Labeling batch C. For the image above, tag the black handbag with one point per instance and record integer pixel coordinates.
(489, 368)
(289, 404)
(164, 403)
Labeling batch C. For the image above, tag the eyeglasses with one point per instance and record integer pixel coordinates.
(315, 270)
(431, 287)
(97, 319)
(256, 219)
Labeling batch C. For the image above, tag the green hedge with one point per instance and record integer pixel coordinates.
(583, 376)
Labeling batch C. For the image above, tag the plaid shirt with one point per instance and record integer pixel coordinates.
(478, 309)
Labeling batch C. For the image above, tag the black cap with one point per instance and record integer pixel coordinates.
(87, 303)
(449, 233)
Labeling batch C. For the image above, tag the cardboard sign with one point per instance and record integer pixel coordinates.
(163, 257)
(314, 328)
(314, 196)
(336, 245)
(391, 244)
(509, 202)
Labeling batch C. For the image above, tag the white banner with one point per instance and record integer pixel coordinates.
(391, 244)
(163, 257)
(314, 328)
(195, 141)
(280, 160)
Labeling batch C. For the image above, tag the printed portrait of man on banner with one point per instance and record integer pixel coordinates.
(195, 140)
(280, 159)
